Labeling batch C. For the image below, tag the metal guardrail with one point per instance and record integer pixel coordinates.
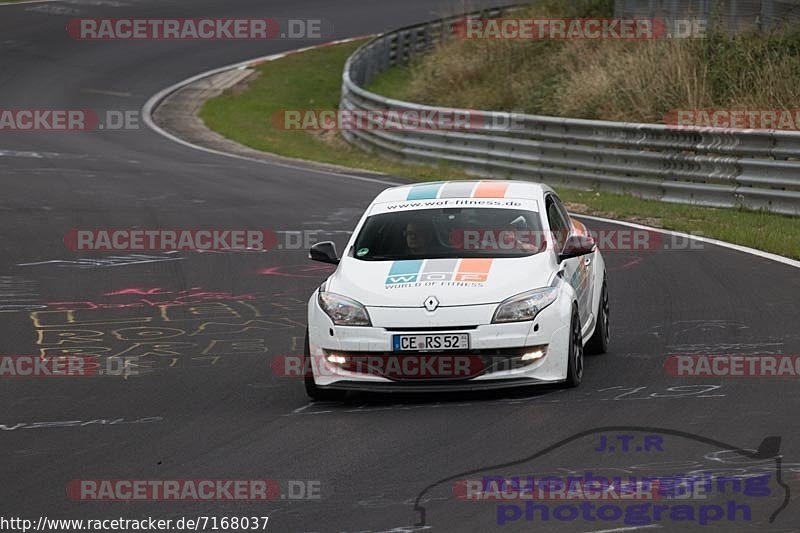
(758, 169)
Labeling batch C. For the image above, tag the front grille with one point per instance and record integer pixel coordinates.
(433, 366)
(434, 328)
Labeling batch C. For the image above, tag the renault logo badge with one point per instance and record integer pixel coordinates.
(431, 303)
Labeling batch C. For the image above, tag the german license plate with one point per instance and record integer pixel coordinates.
(430, 342)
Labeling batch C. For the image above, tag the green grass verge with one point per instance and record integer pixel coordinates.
(757, 229)
(393, 83)
(312, 80)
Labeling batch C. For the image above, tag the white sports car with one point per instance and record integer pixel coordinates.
(457, 285)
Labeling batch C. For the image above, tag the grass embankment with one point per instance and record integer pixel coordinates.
(637, 81)
(311, 80)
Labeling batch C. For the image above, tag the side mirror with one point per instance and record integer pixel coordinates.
(576, 246)
(324, 252)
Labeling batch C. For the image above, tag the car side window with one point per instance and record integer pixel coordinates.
(563, 211)
(558, 225)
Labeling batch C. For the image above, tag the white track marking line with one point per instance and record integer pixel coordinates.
(106, 93)
(5, 4)
(737, 247)
(152, 103)
(632, 528)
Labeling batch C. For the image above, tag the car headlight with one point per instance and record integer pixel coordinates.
(342, 310)
(525, 306)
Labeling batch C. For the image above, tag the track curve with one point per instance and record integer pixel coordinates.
(208, 406)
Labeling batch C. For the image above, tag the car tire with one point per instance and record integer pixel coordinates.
(575, 362)
(314, 392)
(598, 344)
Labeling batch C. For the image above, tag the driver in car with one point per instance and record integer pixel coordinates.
(418, 238)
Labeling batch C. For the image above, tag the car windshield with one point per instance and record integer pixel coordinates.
(449, 233)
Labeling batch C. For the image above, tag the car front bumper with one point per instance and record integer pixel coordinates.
(498, 347)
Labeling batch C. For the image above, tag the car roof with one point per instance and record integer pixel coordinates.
(464, 189)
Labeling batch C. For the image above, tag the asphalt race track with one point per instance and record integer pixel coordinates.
(203, 400)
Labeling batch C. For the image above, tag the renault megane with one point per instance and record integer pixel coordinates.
(457, 285)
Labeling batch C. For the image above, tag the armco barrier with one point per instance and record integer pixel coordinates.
(758, 169)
